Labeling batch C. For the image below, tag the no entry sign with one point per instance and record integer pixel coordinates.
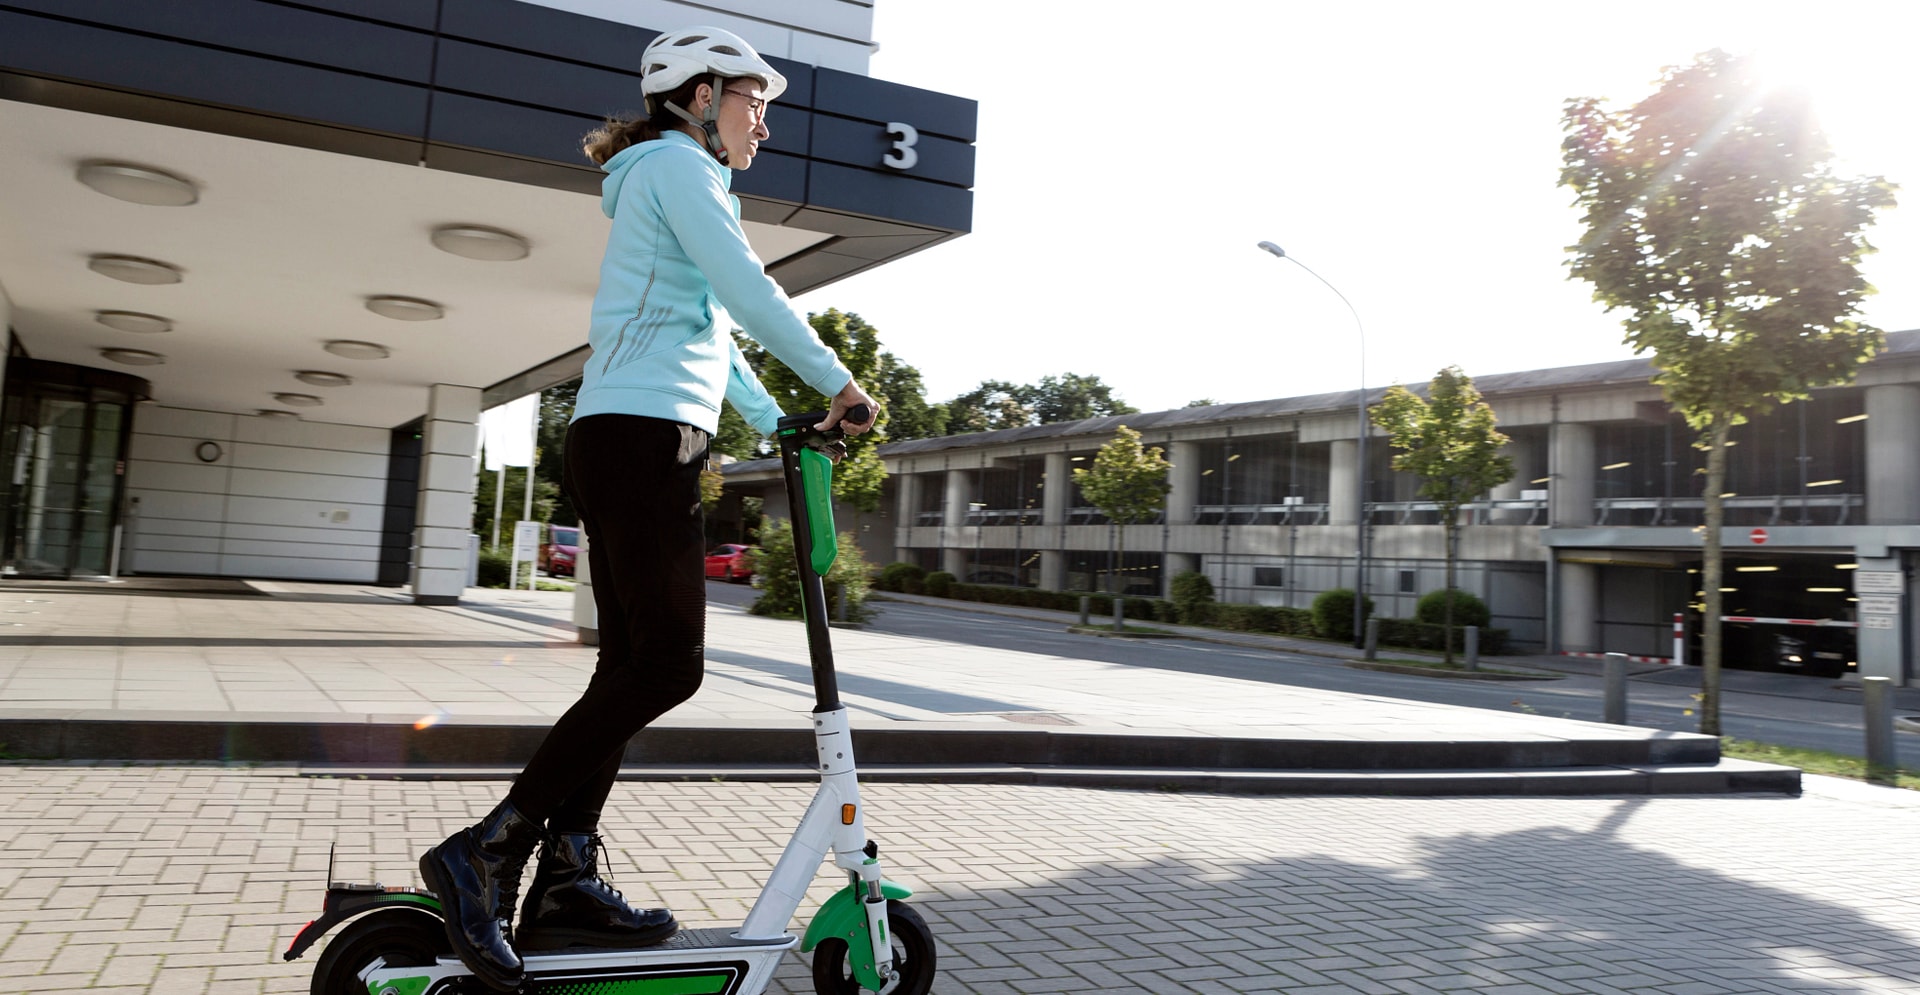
(1759, 537)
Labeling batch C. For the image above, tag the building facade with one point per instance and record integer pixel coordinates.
(264, 262)
(1594, 546)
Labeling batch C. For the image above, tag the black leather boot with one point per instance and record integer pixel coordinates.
(476, 876)
(568, 905)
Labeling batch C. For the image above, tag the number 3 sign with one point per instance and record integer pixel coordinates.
(903, 155)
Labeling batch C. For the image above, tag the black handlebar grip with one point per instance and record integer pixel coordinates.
(859, 414)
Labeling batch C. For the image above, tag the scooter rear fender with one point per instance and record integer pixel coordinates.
(343, 902)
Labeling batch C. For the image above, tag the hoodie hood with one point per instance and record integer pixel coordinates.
(621, 165)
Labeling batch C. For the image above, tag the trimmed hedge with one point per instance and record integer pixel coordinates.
(939, 584)
(1412, 634)
(1333, 613)
(1264, 618)
(1467, 609)
(906, 578)
(1192, 597)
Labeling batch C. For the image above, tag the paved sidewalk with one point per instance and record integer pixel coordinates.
(335, 653)
(169, 880)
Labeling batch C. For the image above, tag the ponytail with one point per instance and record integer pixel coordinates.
(613, 137)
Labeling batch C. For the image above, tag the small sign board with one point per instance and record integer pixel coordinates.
(1759, 537)
(526, 541)
(1876, 621)
(1876, 582)
(1880, 604)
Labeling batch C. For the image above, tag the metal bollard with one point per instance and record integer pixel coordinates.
(1881, 757)
(1372, 641)
(1616, 699)
(1473, 647)
(1086, 610)
(1119, 614)
(840, 602)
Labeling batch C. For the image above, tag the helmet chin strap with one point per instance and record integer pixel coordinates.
(709, 124)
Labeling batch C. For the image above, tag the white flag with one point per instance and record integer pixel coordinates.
(506, 432)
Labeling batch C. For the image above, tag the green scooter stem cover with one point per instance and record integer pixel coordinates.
(816, 477)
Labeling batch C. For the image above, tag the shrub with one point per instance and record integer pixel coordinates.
(496, 565)
(1333, 613)
(780, 579)
(1264, 618)
(1413, 634)
(1467, 609)
(906, 578)
(1192, 597)
(940, 584)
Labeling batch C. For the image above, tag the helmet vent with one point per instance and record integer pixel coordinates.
(724, 50)
(689, 40)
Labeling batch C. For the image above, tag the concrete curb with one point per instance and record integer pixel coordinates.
(1452, 675)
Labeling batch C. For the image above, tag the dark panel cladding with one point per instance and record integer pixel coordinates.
(512, 169)
(489, 125)
(860, 191)
(531, 79)
(533, 28)
(411, 13)
(773, 177)
(402, 506)
(263, 29)
(847, 94)
(58, 48)
(866, 144)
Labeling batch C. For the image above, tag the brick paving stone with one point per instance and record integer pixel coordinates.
(1029, 889)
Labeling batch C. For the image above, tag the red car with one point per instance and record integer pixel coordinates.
(561, 550)
(731, 562)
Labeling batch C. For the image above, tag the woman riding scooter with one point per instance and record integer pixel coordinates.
(648, 405)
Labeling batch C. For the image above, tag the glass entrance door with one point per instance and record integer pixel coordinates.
(63, 449)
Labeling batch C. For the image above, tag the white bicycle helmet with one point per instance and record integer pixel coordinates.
(678, 56)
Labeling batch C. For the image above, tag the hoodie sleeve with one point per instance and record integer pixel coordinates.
(695, 204)
(748, 395)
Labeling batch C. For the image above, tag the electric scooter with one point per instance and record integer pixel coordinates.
(396, 941)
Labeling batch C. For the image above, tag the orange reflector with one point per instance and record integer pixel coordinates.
(846, 815)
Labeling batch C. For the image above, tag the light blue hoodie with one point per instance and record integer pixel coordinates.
(676, 249)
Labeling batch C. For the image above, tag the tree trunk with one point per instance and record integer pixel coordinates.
(1453, 532)
(1711, 571)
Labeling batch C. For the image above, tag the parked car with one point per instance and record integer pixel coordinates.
(731, 562)
(560, 550)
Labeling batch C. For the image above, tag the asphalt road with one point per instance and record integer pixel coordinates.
(1663, 700)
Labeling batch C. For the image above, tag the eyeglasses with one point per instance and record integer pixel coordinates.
(756, 106)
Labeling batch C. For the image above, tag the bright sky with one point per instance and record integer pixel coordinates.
(1407, 151)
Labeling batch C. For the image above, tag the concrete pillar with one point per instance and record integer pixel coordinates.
(1056, 489)
(1526, 469)
(1573, 462)
(1185, 477)
(1177, 564)
(1053, 570)
(1578, 613)
(445, 518)
(1343, 486)
(906, 507)
(1893, 461)
(953, 558)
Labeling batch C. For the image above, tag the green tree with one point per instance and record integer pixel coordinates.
(901, 392)
(550, 443)
(1714, 219)
(1072, 397)
(1447, 439)
(1128, 483)
(859, 477)
(995, 404)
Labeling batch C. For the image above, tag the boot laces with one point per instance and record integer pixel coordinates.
(591, 860)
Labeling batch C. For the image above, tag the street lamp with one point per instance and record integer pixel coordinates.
(1360, 457)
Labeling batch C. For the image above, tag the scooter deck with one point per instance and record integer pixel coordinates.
(691, 962)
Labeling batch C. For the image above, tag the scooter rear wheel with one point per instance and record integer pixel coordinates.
(404, 938)
(913, 958)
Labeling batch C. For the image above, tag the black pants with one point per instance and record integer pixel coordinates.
(636, 483)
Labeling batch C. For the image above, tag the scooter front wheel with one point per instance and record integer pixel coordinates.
(913, 958)
(401, 937)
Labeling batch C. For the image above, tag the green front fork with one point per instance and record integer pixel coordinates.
(844, 917)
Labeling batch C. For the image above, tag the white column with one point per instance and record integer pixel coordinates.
(1572, 461)
(1893, 469)
(906, 508)
(445, 515)
(1056, 490)
(1526, 469)
(1579, 607)
(1343, 485)
(953, 559)
(1185, 478)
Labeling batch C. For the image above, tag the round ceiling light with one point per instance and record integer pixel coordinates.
(298, 400)
(133, 321)
(133, 357)
(321, 378)
(133, 269)
(479, 242)
(137, 184)
(277, 413)
(349, 349)
(405, 308)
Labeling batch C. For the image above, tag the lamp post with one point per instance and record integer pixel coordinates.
(1360, 457)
